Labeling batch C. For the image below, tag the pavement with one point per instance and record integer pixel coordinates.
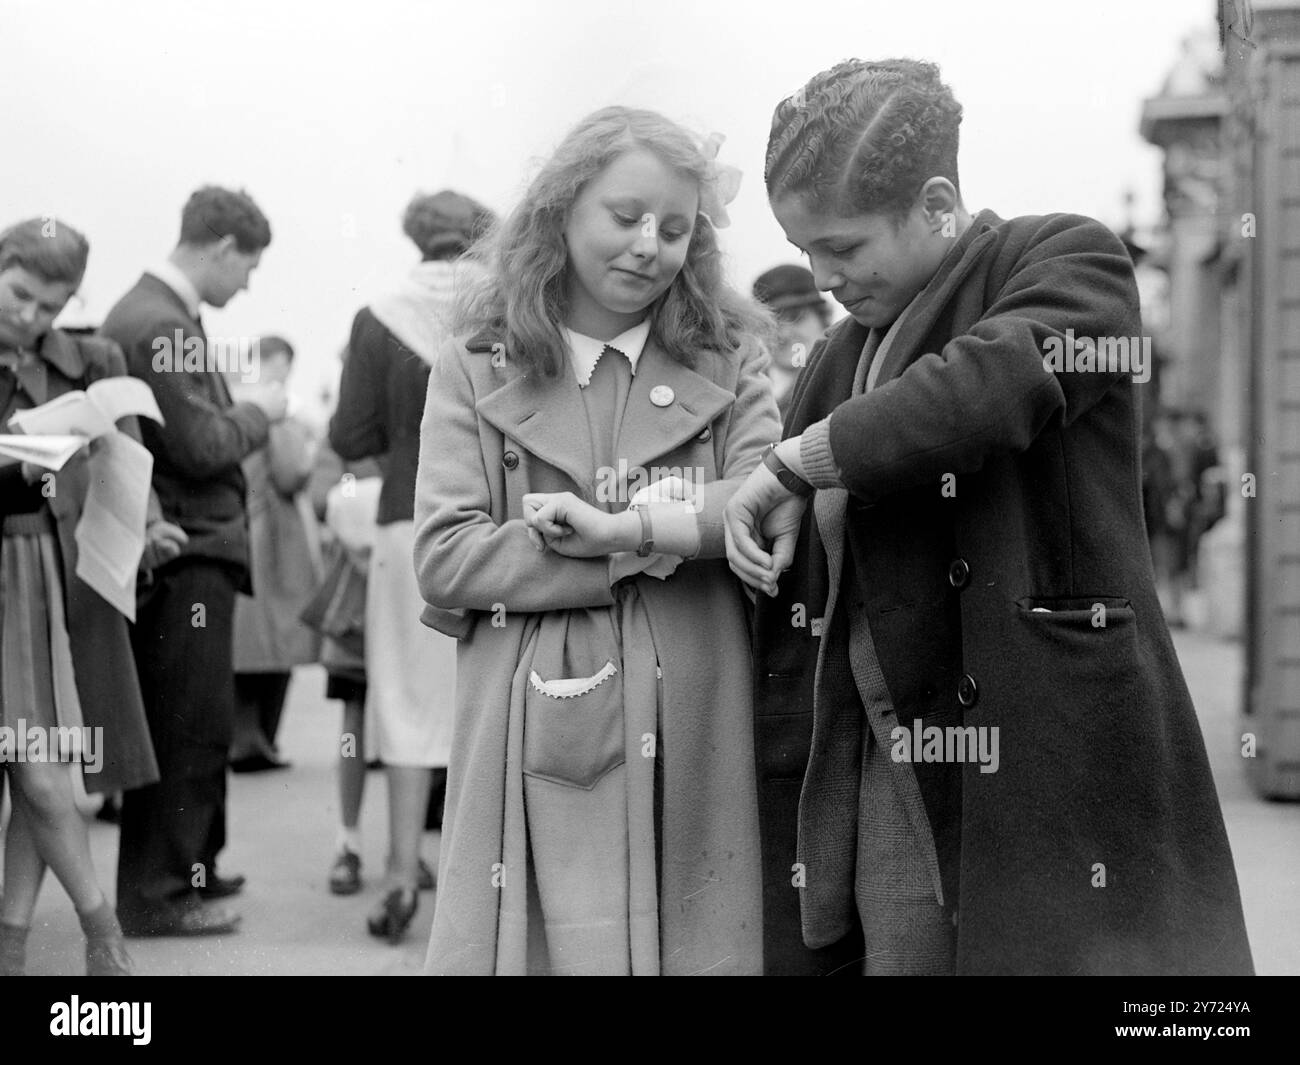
(282, 827)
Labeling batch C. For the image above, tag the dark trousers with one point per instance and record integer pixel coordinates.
(259, 704)
(172, 830)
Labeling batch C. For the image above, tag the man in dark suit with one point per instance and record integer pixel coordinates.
(172, 831)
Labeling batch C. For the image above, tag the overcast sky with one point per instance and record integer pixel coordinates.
(332, 113)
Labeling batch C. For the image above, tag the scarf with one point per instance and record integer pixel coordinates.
(418, 311)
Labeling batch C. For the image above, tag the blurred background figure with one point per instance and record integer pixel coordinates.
(345, 497)
(1165, 479)
(270, 639)
(1185, 495)
(1208, 488)
(410, 668)
(173, 831)
(802, 317)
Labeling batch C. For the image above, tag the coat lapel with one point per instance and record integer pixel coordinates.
(926, 308)
(57, 350)
(649, 430)
(548, 417)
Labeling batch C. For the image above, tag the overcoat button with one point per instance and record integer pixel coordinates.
(959, 573)
(662, 395)
(706, 435)
(510, 460)
(968, 691)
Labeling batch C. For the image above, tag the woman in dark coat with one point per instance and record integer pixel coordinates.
(65, 659)
(973, 567)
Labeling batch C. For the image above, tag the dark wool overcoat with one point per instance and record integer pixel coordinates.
(996, 535)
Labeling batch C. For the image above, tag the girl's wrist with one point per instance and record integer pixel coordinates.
(626, 533)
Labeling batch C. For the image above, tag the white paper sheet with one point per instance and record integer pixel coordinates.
(51, 452)
(110, 534)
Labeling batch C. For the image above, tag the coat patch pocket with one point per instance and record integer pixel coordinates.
(573, 727)
(1081, 639)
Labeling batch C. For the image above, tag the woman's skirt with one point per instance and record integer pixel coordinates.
(410, 668)
(40, 711)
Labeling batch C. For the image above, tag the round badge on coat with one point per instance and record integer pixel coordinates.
(661, 395)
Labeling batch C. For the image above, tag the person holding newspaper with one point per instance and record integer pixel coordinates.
(67, 689)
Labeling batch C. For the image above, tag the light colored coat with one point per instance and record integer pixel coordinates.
(490, 435)
(284, 555)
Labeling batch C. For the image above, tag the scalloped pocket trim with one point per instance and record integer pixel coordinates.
(571, 688)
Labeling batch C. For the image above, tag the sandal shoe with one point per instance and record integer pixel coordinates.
(345, 873)
(393, 919)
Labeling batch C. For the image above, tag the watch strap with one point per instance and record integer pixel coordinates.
(790, 480)
(647, 533)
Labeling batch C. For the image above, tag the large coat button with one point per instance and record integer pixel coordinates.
(968, 692)
(510, 460)
(662, 395)
(959, 573)
(706, 434)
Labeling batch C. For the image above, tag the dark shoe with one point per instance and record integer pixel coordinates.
(105, 951)
(13, 949)
(345, 874)
(181, 919)
(221, 887)
(394, 917)
(424, 880)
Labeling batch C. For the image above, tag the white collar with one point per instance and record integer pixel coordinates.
(174, 278)
(585, 351)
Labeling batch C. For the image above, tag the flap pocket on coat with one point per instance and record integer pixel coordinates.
(573, 727)
(1088, 610)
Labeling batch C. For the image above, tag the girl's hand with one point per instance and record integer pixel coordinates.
(568, 526)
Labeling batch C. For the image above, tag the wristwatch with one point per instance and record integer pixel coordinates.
(790, 480)
(647, 533)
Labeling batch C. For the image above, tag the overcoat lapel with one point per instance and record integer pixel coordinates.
(926, 308)
(648, 430)
(548, 417)
(33, 376)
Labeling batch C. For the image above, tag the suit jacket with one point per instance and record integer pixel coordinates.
(197, 453)
(490, 435)
(993, 506)
(107, 686)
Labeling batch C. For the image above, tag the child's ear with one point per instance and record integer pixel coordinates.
(938, 199)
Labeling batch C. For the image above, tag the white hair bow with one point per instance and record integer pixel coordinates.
(720, 187)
